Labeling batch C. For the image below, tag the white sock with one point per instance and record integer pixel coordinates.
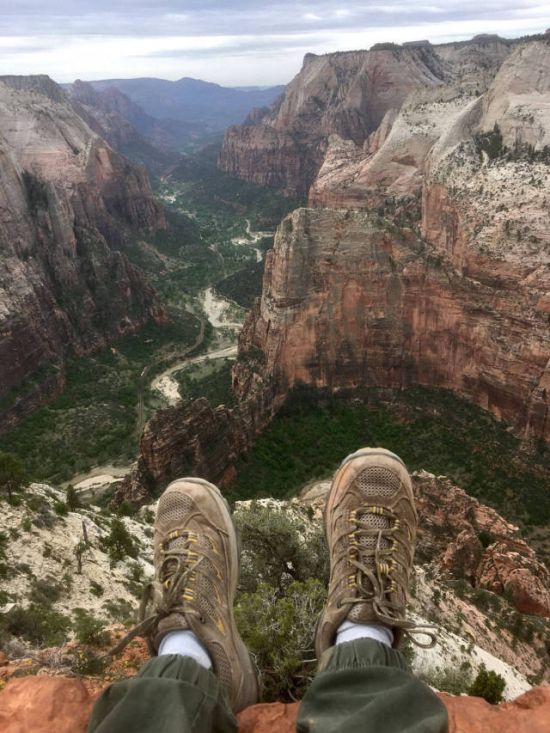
(185, 643)
(348, 631)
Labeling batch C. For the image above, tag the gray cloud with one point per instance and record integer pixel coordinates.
(207, 17)
(189, 37)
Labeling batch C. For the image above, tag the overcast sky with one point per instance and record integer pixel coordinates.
(232, 42)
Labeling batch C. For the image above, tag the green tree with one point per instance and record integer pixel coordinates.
(119, 543)
(12, 474)
(72, 500)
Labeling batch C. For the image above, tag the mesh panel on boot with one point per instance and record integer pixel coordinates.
(375, 481)
(173, 507)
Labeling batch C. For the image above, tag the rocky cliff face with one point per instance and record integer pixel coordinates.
(350, 299)
(356, 96)
(68, 206)
(127, 128)
(447, 284)
(344, 93)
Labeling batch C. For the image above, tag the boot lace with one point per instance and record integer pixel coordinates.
(373, 551)
(173, 592)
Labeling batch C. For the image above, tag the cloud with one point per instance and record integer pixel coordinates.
(261, 41)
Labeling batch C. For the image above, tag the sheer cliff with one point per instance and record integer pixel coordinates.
(68, 206)
(446, 282)
(352, 95)
(423, 257)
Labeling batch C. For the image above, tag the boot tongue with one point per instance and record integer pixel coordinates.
(170, 565)
(363, 612)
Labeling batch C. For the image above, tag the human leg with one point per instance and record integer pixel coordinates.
(196, 573)
(365, 684)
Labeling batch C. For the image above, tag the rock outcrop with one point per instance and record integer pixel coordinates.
(473, 542)
(528, 713)
(63, 705)
(197, 440)
(68, 207)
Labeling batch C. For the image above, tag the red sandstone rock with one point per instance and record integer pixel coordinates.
(63, 705)
(68, 203)
(274, 717)
(463, 555)
(44, 705)
(529, 713)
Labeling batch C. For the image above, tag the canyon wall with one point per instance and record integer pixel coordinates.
(69, 206)
(426, 259)
(350, 300)
(424, 254)
(351, 95)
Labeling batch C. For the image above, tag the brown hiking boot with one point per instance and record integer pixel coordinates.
(370, 522)
(196, 574)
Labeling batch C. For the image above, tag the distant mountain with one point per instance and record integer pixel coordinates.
(128, 129)
(193, 101)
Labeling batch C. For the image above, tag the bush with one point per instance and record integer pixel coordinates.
(12, 475)
(279, 632)
(280, 547)
(88, 629)
(455, 681)
(72, 500)
(37, 624)
(489, 685)
(45, 591)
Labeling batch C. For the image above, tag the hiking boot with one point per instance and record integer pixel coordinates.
(370, 523)
(196, 573)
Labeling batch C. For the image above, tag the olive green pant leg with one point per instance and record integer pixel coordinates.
(171, 694)
(367, 687)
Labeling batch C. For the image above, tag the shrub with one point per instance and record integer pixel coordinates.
(45, 591)
(37, 624)
(280, 547)
(12, 475)
(489, 685)
(88, 629)
(87, 663)
(452, 680)
(72, 500)
(61, 508)
(96, 589)
(279, 632)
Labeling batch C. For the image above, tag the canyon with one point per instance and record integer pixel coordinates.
(69, 208)
(423, 256)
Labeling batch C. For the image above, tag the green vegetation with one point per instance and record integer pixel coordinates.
(88, 629)
(489, 685)
(38, 624)
(454, 680)
(243, 286)
(94, 420)
(282, 591)
(119, 543)
(429, 428)
(211, 379)
(12, 474)
(206, 188)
